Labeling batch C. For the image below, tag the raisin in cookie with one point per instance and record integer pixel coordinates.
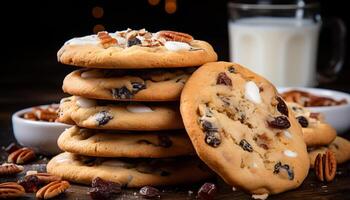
(243, 130)
(340, 147)
(316, 131)
(126, 85)
(136, 49)
(130, 172)
(105, 143)
(90, 113)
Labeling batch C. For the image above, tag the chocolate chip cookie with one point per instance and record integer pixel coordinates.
(136, 49)
(105, 143)
(127, 85)
(316, 131)
(94, 114)
(243, 130)
(127, 171)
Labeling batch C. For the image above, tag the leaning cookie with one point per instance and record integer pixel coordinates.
(126, 85)
(243, 130)
(136, 49)
(316, 131)
(89, 113)
(340, 147)
(104, 143)
(127, 171)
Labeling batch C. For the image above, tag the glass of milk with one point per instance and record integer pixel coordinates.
(277, 41)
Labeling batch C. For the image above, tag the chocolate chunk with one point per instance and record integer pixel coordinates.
(133, 41)
(137, 87)
(102, 189)
(231, 69)
(303, 121)
(280, 122)
(164, 141)
(208, 127)
(103, 117)
(149, 192)
(279, 166)
(245, 145)
(122, 93)
(223, 79)
(282, 106)
(30, 183)
(207, 191)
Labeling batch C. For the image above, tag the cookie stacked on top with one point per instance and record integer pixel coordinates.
(125, 108)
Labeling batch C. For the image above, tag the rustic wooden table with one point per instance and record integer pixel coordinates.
(15, 100)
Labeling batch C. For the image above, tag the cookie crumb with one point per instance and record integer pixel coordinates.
(260, 196)
(31, 172)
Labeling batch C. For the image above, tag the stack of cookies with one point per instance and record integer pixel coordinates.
(125, 108)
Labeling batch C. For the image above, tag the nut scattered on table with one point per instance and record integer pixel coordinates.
(48, 114)
(46, 178)
(21, 156)
(8, 169)
(11, 190)
(52, 189)
(11, 148)
(326, 166)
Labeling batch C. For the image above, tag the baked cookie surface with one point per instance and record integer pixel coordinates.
(340, 147)
(89, 113)
(124, 85)
(129, 172)
(243, 130)
(136, 49)
(316, 131)
(101, 143)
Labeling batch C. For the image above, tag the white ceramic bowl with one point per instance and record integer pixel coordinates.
(40, 135)
(337, 116)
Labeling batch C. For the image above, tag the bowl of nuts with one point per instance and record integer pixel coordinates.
(37, 128)
(334, 105)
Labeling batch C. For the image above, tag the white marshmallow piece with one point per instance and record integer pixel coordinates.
(90, 39)
(290, 153)
(138, 108)
(176, 46)
(85, 103)
(252, 92)
(260, 196)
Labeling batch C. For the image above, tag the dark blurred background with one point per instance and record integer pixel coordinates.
(33, 31)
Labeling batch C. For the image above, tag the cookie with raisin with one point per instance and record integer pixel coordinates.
(316, 131)
(340, 147)
(111, 143)
(131, 49)
(243, 130)
(127, 85)
(129, 172)
(98, 114)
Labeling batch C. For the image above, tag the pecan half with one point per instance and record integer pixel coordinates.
(45, 178)
(10, 169)
(21, 156)
(175, 36)
(11, 190)
(325, 166)
(52, 189)
(106, 39)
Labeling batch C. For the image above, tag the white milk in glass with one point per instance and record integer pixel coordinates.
(283, 50)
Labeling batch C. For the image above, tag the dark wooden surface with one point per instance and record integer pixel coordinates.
(18, 99)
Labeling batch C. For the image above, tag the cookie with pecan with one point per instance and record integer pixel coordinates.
(103, 143)
(136, 49)
(316, 131)
(129, 172)
(126, 85)
(94, 114)
(243, 130)
(340, 147)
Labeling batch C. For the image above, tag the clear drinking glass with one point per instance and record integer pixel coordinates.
(280, 41)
